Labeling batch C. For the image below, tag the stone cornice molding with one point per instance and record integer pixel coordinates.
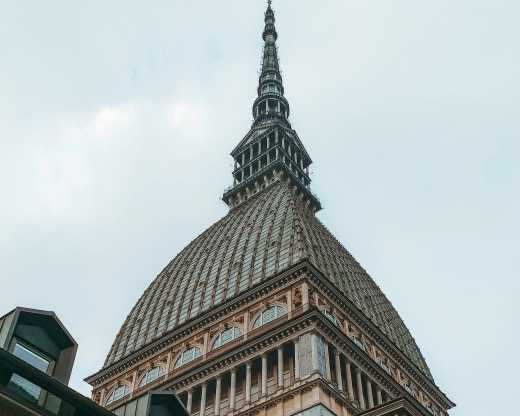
(360, 319)
(201, 322)
(302, 388)
(301, 270)
(202, 372)
(313, 320)
(254, 348)
(357, 356)
(394, 406)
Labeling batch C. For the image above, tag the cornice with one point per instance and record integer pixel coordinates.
(359, 317)
(200, 322)
(252, 348)
(301, 388)
(401, 403)
(203, 371)
(356, 355)
(289, 276)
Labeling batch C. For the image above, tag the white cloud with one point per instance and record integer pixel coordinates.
(112, 119)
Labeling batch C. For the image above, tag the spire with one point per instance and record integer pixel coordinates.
(270, 102)
(271, 151)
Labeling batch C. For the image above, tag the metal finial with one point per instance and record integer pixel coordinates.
(269, 2)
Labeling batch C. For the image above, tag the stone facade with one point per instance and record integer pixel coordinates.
(306, 356)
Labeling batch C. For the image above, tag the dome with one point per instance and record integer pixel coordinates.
(255, 241)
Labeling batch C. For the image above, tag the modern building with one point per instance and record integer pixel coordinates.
(36, 358)
(266, 313)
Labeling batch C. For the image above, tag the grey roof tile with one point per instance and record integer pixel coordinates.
(254, 242)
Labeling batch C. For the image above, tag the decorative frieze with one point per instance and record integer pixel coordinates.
(313, 355)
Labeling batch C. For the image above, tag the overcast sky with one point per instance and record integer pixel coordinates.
(117, 119)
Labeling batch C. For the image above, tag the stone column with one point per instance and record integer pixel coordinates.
(248, 381)
(314, 350)
(280, 367)
(102, 398)
(339, 379)
(296, 360)
(379, 395)
(134, 381)
(350, 386)
(328, 374)
(370, 394)
(206, 343)
(289, 303)
(189, 403)
(359, 383)
(264, 375)
(218, 390)
(203, 399)
(232, 389)
(305, 295)
(246, 323)
(168, 362)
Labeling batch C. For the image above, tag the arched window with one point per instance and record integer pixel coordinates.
(270, 314)
(118, 393)
(331, 317)
(187, 356)
(226, 336)
(152, 375)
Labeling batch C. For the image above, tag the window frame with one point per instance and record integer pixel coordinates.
(161, 371)
(34, 351)
(112, 396)
(218, 338)
(197, 352)
(17, 380)
(277, 315)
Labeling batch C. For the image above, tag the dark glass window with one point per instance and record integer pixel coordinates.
(19, 384)
(36, 360)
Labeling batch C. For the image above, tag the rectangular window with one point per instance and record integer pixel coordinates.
(30, 357)
(24, 387)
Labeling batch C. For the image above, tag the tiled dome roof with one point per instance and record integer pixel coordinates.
(258, 239)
